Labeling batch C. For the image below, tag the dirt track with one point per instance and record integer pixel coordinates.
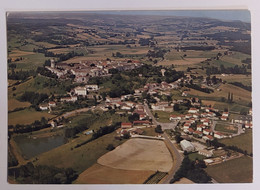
(139, 154)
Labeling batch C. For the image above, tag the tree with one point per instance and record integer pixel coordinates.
(110, 147)
(158, 129)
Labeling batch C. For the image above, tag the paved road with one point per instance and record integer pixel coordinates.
(177, 157)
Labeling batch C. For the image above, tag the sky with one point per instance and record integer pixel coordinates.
(227, 15)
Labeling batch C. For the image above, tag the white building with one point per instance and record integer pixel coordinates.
(92, 87)
(187, 146)
(80, 91)
(205, 153)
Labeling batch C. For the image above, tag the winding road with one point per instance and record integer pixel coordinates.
(177, 157)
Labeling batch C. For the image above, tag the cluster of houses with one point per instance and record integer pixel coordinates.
(86, 69)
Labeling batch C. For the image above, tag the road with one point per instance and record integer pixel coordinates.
(177, 157)
(71, 113)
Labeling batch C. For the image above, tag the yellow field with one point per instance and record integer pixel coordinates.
(139, 154)
(98, 174)
(26, 116)
(19, 53)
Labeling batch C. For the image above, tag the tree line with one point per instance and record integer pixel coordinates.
(227, 70)
(193, 170)
(42, 174)
(34, 98)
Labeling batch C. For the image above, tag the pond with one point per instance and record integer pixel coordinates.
(31, 147)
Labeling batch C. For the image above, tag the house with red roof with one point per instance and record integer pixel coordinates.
(126, 125)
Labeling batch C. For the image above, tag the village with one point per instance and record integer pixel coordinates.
(197, 125)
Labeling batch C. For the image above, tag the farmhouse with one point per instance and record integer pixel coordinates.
(44, 107)
(126, 125)
(52, 104)
(248, 125)
(187, 146)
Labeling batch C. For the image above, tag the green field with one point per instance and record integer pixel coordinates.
(239, 170)
(194, 156)
(27, 116)
(225, 128)
(243, 141)
(149, 131)
(78, 158)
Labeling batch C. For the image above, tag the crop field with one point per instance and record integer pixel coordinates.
(155, 178)
(139, 154)
(227, 172)
(243, 141)
(239, 95)
(79, 158)
(244, 79)
(31, 61)
(98, 174)
(186, 61)
(27, 116)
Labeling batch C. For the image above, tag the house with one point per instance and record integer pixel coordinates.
(190, 131)
(211, 114)
(53, 124)
(175, 117)
(250, 112)
(208, 138)
(186, 126)
(243, 119)
(52, 104)
(113, 100)
(184, 93)
(188, 116)
(89, 132)
(126, 125)
(187, 146)
(218, 135)
(225, 114)
(126, 107)
(203, 114)
(193, 110)
(200, 127)
(223, 118)
(92, 87)
(207, 131)
(248, 125)
(142, 116)
(206, 122)
(198, 134)
(205, 153)
(141, 123)
(196, 115)
(44, 107)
